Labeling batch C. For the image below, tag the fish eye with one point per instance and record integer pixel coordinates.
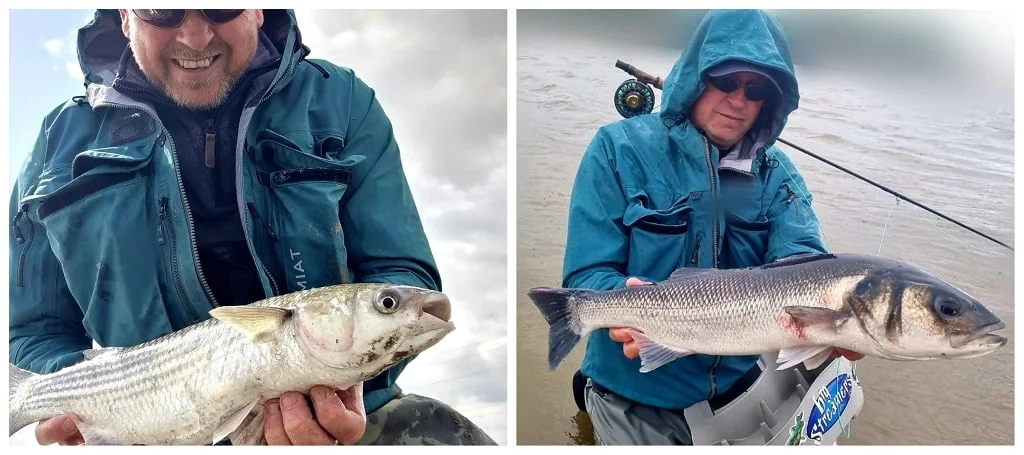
(387, 303)
(949, 307)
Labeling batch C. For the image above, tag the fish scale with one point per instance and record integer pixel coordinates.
(182, 388)
(691, 313)
(799, 306)
(133, 386)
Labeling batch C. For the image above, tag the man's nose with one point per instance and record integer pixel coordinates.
(195, 32)
(738, 97)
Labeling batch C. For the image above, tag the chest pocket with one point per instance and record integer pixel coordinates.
(303, 194)
(102, 229)
(745, 239)
(658, 236)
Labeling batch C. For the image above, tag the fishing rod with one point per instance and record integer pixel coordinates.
(635, 97)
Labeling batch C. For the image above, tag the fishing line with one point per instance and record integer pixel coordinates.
(881, 238)
(962, 242)
(640, 91)
(895, 193)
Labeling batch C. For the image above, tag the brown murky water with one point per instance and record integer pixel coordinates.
(959, 161)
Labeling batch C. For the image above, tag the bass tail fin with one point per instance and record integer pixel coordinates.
(17, 378)
(556, 307)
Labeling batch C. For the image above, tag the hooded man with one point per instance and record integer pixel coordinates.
(699, 184)
(211, 163)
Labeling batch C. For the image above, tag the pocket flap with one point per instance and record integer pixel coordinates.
(673, 220)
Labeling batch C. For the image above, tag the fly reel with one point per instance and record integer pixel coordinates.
(634, 98)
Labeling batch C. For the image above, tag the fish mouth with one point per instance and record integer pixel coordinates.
(982, 336)
(438, 306)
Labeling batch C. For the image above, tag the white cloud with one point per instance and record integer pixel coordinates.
(64, 52)
(74, 69)
(54, 46)
(441, 78)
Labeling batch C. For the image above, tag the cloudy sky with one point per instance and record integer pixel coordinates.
(441, 78)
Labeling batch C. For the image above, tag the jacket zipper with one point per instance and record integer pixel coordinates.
(266, 225)
(714, 221)
(20, 238)
(696, 250)
(714, 250)
(248, 233)
(165, 234)
(191, 222)
(165, 135)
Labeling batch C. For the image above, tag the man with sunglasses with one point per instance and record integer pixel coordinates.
(211, 163)
(699, 184)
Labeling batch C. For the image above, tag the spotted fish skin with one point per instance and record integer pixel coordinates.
(801, 307)
(198, 385)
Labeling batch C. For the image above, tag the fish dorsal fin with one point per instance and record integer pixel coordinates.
(654, 355)
(259, 322)
(687, 272)
(91, 354)
(230, 424)
(802, 259)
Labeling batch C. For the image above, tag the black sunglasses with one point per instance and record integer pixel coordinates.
(172, 18)
(753, 92)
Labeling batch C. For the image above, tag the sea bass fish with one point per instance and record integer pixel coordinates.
(801, 307)
(209, 381)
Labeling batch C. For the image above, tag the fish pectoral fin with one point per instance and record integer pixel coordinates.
(233, 422)
(259, 322)
(809, 316)
(93, 437)
(811, 356)
(250, 432)
(654, 355)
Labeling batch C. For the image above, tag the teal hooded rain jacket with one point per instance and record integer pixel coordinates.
(652, 194)
(102, 241)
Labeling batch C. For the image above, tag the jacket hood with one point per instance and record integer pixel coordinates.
(746, 35)
(101, 43)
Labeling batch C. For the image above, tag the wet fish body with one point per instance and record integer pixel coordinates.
(801, 307)
(208, 381)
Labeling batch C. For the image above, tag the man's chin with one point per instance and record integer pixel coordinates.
(197, 100)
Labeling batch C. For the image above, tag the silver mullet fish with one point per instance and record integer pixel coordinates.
(801, 307)
(209, 381)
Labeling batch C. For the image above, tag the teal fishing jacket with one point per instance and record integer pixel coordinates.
(652, 194)
(102, 241)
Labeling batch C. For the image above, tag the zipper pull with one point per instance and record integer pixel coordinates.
(696, 249)
(18, 236)
(792, 197)
(211, 155)
(160, 227)
(789, 190)
(266, 225)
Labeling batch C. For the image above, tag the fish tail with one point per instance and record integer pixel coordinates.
(556, 307)
(18, 418)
